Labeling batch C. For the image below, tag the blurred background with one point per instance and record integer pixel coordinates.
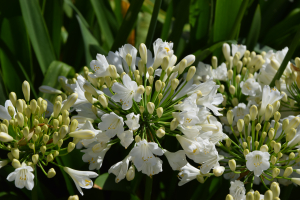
(43, 39)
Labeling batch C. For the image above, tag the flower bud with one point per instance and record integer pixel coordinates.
(158, 85)
(15, 152)
(150, 107)
(200, 178)
(56, 109)
(15, 163)
(247, 119)
(226, 51)
(256, 195)
(26, 90)
(268, 112)
(142, 109)
(268, 195)
(228, 142)
(59, 143)
(51, 173)
(113, 71)
(71, 146)
(291, 134)
(264, 148)
(235, 101)
(229, 197)
(253, 112)
(258, 127)
(165, 63)
(240, 125)
(130, 173)
(4, 137)
(128, 59)
(273, 160)
(20, 118)
(214, 62)
(150, 71)
(232, 89)
(74, 125)
(11, 111)
(174, 123)
(70, 101)
(288, 171)
(137, 138)
(50, 157)
(244, 145)
(294, 123)
(174, 83)
(141, 67)
(232, 164)
(277, 147)
(218, 171)
(143, 52)
(140, 89)
(13, 98)
(82, 134)
(229, 74)
(45, 138)
(148, 90)
(103, 101)
(191, 73)
(249, 196)
(277, 116)
(230, 117)
(35, 158)
(43, 149)
(35, 137)
(160, 133)
(182, 66)
(90, 89)
(296, 180)
(3, 128)
(275, 172)
(10, 156)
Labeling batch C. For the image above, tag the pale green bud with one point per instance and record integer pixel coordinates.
(11, 111)
(230, 117)
(256, 195)
(150, 71)
(273, 160)
(130, 173)
(291, 134)
(35, 158)
(15, 163)
(221, 88)
(228, 142)
(70, 101)
(140, 89)
(137, 138)
(173, 125)
(247, 119)
(182, 66)
(35, 137)
(71, 146)
(13, 98)
(214, 62)
(191, 73)
(148, 90)
(113, 71)
(229, 197)
(200, 178)
(253, 112)
(244, 144)
(89, 97)
(10, 156)
(56, 108)
(277, 116)
(20, 118)
(142, 109)
(268, 195)
(232, 164)
(55, 153)
(158, 84)
(51, 173)
(235, 101)
(258, 127)
(150, 107)
(174, 83)
(83, 134)
(264, 148)
(249, 196)
(43, 149)
(15, 152)
(277, 147)
(288, 171)
(26, 90)
(45, 138)
(291, 155)
(240, 125)
(128, 59)
(50, 157)
(232, 89)
(268, 112)
(63, 131)
(60, 142)
(3, 128)
(31, 145)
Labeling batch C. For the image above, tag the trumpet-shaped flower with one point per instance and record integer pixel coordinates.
(250, 87)
(238, 48)
(258, 161)
(126, 92)
(143, 154)
(237, 190)
(112, 124)
(120, 169)
(100, 66)
(269, 96)
(126, 138)
(133, 121)
(161, 49)
(81, 178)
(212, 99)
(3, 110)
(176, 160)
(95, 155)
(187, 174)
(240, 111)
(128, 49)
(116, 60)
(220, 73)
(22, 176)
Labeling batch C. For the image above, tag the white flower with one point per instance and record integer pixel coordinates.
(250, 87)
(116, 60)
(220, 73)
(212, 130)
(269, 96)
(126, 138)
(231, 175)
(128, 49)
(187, 174)
(3, 110)
(23, 177)
(237, 190)
(112, 124)
(126, 92)
(161, 49)
(49, 90)
(142, 154)
(81, 178)
(177, 159)
(3, 163)
(203, 73)
(94, 155)
(212, 99)
(238, 48)
(240, 111)
(132, 121)
(258, 161)
(120, 169)
(100, 66)
(150, 169)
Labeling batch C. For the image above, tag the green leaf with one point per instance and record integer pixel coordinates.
(38, 33)
(153, 22)
(287, 58)
(142, 28)
(166, 28)
(148, 6)
(69, 3)
(223, 26)
(55, 70)
(89, 42)
(181, 18)
(99, 9)
(53, 15)
(254, 30)
(283, 28)
(106, 181)
(127, 24)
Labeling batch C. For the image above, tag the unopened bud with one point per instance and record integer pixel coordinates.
(247, 119)
(137, 138)
(59, 143)
(160, 133)
(275, 172)
(16, 163)
(45, 138)
(130, 173)
(4, 137)
(128, 59)
(26, 90)
(50, 157)
(173, 125)
(277, 147)
(191, 73)
(218, 171)
(174, 83)
(228, 142)
(232, 89)
(253, 112)
(142, 109)
(165, 63)
(43, 149)
(229, 74)
(230, 117)
(268, 195)
(249, 196)
(288, 171)
(158, 84)
(232, 164)
(150, 107)
(70, 101)
(51, 173)
(71, 146)
(240, 125)
(103, 101)
(182, 66)
(56, 109)
(35, 158)
(159, 111)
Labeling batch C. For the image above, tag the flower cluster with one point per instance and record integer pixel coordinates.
(35, 132)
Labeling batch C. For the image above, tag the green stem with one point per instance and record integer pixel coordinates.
(148, 188)
(152, 26)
